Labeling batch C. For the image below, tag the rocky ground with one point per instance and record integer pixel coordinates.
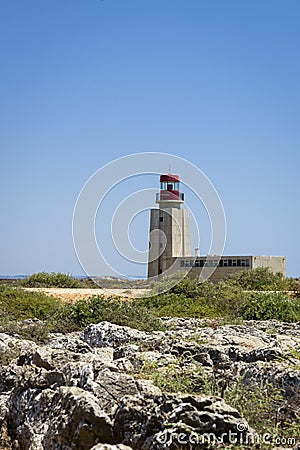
(107, 387)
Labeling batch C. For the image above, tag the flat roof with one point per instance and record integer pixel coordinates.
(227, 256)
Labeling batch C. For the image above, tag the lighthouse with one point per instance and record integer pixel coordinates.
(169, 235)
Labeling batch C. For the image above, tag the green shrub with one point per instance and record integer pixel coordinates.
(265, 306)
(221, 300)
(18, 304)
(189, 298)
(178, 305)
(227, 298)
(262, 279)
(112, 309)
(43, 279)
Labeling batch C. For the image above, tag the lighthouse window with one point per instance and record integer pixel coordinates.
(169, 186)
(161, 219)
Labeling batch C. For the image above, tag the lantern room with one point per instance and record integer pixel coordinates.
(169, 195)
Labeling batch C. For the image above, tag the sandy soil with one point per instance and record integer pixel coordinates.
(72, 295)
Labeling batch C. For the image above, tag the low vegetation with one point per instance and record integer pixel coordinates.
(270, 306)
(62, 280)
(250, 295)
(263, 279)
(230, 305)
(257, 295)
(96, 309)
(33, 315)
(18, 304)
(43, 279)
(27, 314)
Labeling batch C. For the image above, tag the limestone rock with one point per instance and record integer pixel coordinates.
(63, 418)
(105, 334)
(150, 421)
(86, 390)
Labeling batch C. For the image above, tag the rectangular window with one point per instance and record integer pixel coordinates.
(225, 262)
(234, 263)
(211, 263)
(161, 219)
(181, 263)
(244, 262)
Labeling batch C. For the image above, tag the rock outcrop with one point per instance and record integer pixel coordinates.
(90, 390)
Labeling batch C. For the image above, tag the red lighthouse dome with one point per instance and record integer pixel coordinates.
(169, 189)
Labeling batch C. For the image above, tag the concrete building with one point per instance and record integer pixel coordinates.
(169, 242)
(225, 265)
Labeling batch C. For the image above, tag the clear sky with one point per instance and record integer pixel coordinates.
(84, 82)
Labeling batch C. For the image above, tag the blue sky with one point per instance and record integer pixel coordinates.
(85, 82)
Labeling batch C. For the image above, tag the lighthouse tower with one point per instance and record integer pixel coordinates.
(169, 227)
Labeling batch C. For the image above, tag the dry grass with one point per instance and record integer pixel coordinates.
(70, 295)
